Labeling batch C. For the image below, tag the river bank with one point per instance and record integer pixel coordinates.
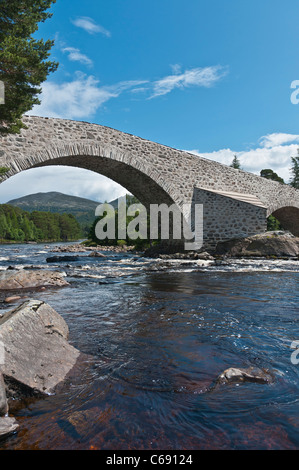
(268, 245)
(37, 242)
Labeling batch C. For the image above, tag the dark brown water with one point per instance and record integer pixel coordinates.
(156, 335)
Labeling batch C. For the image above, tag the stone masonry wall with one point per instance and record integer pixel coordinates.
(225, 218)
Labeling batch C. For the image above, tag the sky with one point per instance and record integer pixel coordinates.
(214, 78)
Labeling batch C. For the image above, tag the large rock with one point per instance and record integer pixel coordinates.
(24, 279)
(278, 244)
(37, 353)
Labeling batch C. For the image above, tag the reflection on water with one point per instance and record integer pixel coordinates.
(156, 335)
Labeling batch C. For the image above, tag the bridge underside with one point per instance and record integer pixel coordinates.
(136, 182)
(289, 219)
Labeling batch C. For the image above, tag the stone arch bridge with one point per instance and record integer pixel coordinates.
(235, 203)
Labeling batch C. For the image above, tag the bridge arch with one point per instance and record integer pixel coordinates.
(288, 216)
(136, 176)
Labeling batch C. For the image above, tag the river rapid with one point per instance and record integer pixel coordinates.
(155, 335)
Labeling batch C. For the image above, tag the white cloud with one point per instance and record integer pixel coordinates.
(78, 99)
(176, 68)
(276, 139)
(139, 89)
(83, 96)
(90, 26)
(202, 77)
(126, 85)
(275, 152)
(76, 55)
(66, 180)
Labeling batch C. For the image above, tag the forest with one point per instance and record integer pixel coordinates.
(17, 225)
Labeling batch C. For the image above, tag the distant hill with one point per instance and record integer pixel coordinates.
(81, 208)
(55, 202)
(129, 200)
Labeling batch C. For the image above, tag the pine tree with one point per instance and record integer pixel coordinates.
(236, 163)
(23, 59)
(295, 171)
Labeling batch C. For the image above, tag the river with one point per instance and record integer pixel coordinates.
(156, 335)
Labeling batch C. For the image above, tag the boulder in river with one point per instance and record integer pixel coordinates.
(37, 354)
(270, 244)
(24, 279)
(96, 254)
(251, 374)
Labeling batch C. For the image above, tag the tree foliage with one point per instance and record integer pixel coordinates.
(295, 172)
(24, 63)
(271, 175)
(236, 163)
(19, 225)
(138, 243)
(272, 222)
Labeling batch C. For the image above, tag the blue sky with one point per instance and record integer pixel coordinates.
(207, 76)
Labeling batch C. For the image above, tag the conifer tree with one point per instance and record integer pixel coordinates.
(24, 63)
(295, 171)
(236, 163)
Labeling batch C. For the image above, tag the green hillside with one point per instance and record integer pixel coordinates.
(58, 203)
(82, 209)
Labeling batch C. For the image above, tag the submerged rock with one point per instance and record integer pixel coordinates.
(80, 423)
(251, 374)
(7, 425)
(62, 259)
(37, 354)
(12, 299)
(269, 244)
(22, 279)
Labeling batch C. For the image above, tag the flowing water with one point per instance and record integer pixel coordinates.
(155, 335)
